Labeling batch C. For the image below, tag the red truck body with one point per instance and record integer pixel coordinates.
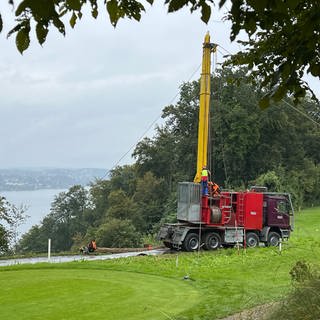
(245, 217)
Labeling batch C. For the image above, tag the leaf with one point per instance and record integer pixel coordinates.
(314, 69)
(41, 32)
(22, 7)
(279, 93)
(44, 9)
(205, 12)
(251, 25)
(259, 5)
(74, 5)
(264, 102)
(150, 1)
(94, 13)
(73, 20)
(94, 8)
(221, 3)
(15, 29)
(112, 7)
(23, 40)
(59, 25)
(1, 23)
(175, 5)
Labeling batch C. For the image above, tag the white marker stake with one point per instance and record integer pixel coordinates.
(49, 249)
(280, 244)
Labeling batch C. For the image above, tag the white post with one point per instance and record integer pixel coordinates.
(49, 249)
(280, 244)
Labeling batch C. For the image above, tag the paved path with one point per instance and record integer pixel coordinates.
(60, 259)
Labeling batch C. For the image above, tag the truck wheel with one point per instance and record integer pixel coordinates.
(191, 242)
(252, 240)
(273, 239)
(212, 241)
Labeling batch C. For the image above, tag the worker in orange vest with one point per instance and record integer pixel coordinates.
(92, 246)
(214, 189)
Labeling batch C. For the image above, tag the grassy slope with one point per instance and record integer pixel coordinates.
(226, 280)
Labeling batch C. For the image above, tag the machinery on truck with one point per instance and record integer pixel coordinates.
(209, 219)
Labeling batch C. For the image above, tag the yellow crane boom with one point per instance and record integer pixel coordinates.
(203, 128)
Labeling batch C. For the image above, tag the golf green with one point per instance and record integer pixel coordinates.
(91, 294)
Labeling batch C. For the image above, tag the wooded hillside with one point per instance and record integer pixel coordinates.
(277, 147)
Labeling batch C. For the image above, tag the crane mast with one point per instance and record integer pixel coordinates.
(204, 108)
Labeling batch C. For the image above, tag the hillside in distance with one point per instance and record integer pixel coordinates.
(47, 178)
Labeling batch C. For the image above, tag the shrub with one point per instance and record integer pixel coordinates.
(303, 303)
(118, 234)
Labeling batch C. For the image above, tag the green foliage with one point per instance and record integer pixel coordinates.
(171, 154)
(304, 299)
(301, 272)
(4, 211)
(11, 217)
(269, 180)
(4, 240)
(281, 45)
(35, 240)
(118, 233)
(124, 178)
(245, 143)
(121, 206)
(280, 49)
(98, 195)
(65, 220)
(150, 197)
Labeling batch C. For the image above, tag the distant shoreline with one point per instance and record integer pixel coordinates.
(47, 178)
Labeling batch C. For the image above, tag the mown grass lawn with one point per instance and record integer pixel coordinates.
(205, 285)
(58, 293)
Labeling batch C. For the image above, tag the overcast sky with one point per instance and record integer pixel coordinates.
(84, 100)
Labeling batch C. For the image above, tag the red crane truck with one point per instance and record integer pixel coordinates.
(213, 219)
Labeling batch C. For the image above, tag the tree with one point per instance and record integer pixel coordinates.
(99, 192)
(124, 178)
(283, 44)
(66, 217)
(121, 206)
(13, 216)
(150, 196)
(35, 240)
(4, 239)
(118, 233)
(18, 217)
(269, 180)
(246, 142)
(171, 154)
(65, 221)
(283, 36)
(4, 213)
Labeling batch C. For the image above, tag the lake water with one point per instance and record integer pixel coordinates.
(37, 201)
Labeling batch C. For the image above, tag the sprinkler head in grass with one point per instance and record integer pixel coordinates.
(187, 278)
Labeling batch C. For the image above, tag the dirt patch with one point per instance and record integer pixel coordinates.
(256, 313)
